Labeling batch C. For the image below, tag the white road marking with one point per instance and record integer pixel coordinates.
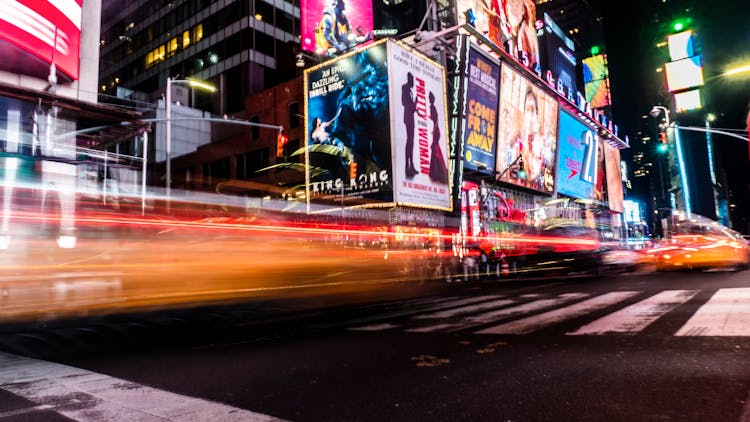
(466, 309)
(727, 313)
(636, 317)
(88, 396)
(489, 317)
(529, 324)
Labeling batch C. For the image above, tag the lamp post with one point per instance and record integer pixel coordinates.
(168, 132)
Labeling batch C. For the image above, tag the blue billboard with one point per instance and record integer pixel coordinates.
(480, 120)
(577, 158)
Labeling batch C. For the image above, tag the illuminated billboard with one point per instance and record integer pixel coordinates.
(688, 100)
(511, 24)
(480, 119)
(596, 81)
(681, 45)
(614, 178)
(332, 27)
(576, 168)
(527, 133)
(558, 57)
(348, 127)
(419, 129)
(48, 30)
(684, 73)
(377, 130)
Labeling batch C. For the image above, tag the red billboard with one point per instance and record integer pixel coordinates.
(48, 30)
(332, 27)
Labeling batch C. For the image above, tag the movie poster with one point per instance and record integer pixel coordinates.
(419, 129)
(558, 57)
(511, 24)
(348, 128)
(332, 27)
(480, 117)
(527, 133)
(576, 166)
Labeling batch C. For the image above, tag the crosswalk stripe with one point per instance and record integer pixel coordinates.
(529, 324)
(466, 309)
(88, 396)
(638, 316)
(492, 316)
(727, 313)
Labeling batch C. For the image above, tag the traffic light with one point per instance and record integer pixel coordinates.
(521, 169)
(662, 142)
(595, 50)
(281, 140)
(681, 24)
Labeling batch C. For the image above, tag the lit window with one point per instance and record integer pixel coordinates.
(185, 39)
(149, 59)
(198, 33)
(172, 47)
(160, 53)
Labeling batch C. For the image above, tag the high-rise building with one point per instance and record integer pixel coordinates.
(241, 47)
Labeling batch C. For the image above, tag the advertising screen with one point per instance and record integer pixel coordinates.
(684, 73)
(419, 129)
(511, 24)
(614, 178)
(480, 120)
(558, 56)
(680, 45)
(527, 133)
(348, 128)
(49, 30)
(331, 27)
(576, 168)
(596, 81)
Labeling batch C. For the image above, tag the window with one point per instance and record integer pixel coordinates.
(256, 129)
(172, 47)
(198, 33)
(185, 39)
(293, 115)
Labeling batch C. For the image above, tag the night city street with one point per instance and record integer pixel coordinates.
(631, 347)
(365, 210)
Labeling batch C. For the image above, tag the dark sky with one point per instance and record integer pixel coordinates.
(632, 30)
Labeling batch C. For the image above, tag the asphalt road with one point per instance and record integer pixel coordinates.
(635, 347)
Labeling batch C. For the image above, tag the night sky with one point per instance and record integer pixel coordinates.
(723, 38)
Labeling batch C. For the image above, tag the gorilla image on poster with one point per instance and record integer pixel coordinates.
(348, 132)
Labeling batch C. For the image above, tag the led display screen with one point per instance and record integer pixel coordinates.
(419, 129)
(688, 100)
(614, 177)
(596, 81)
(558, 57)
(576, 168)
(680, 45)
(49, 30)
(685, 73)
(527, 133)
(511, 24)
(348, 127)
(480, 120)
(331, 27)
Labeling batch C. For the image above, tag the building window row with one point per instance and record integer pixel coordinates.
(162, 52)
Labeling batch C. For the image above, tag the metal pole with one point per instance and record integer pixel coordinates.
(709, 149)
(143, 176)
(104, 179)
(168, 134)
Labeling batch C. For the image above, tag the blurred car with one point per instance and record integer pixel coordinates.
(564, 249)
(702, 244)
(619, 258)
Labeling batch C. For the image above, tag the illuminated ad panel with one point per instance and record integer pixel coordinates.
(511, 24)
(596, 81)
(49, 30)
(558, 57)
(680, 45)
(576, 168)
(685, 73)
(348, 129)
(330, 27)
(419, 129)
(527, 128)
(688, 100)
(614, 177)
(480, 120)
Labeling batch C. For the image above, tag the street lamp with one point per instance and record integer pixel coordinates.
(168, 108)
